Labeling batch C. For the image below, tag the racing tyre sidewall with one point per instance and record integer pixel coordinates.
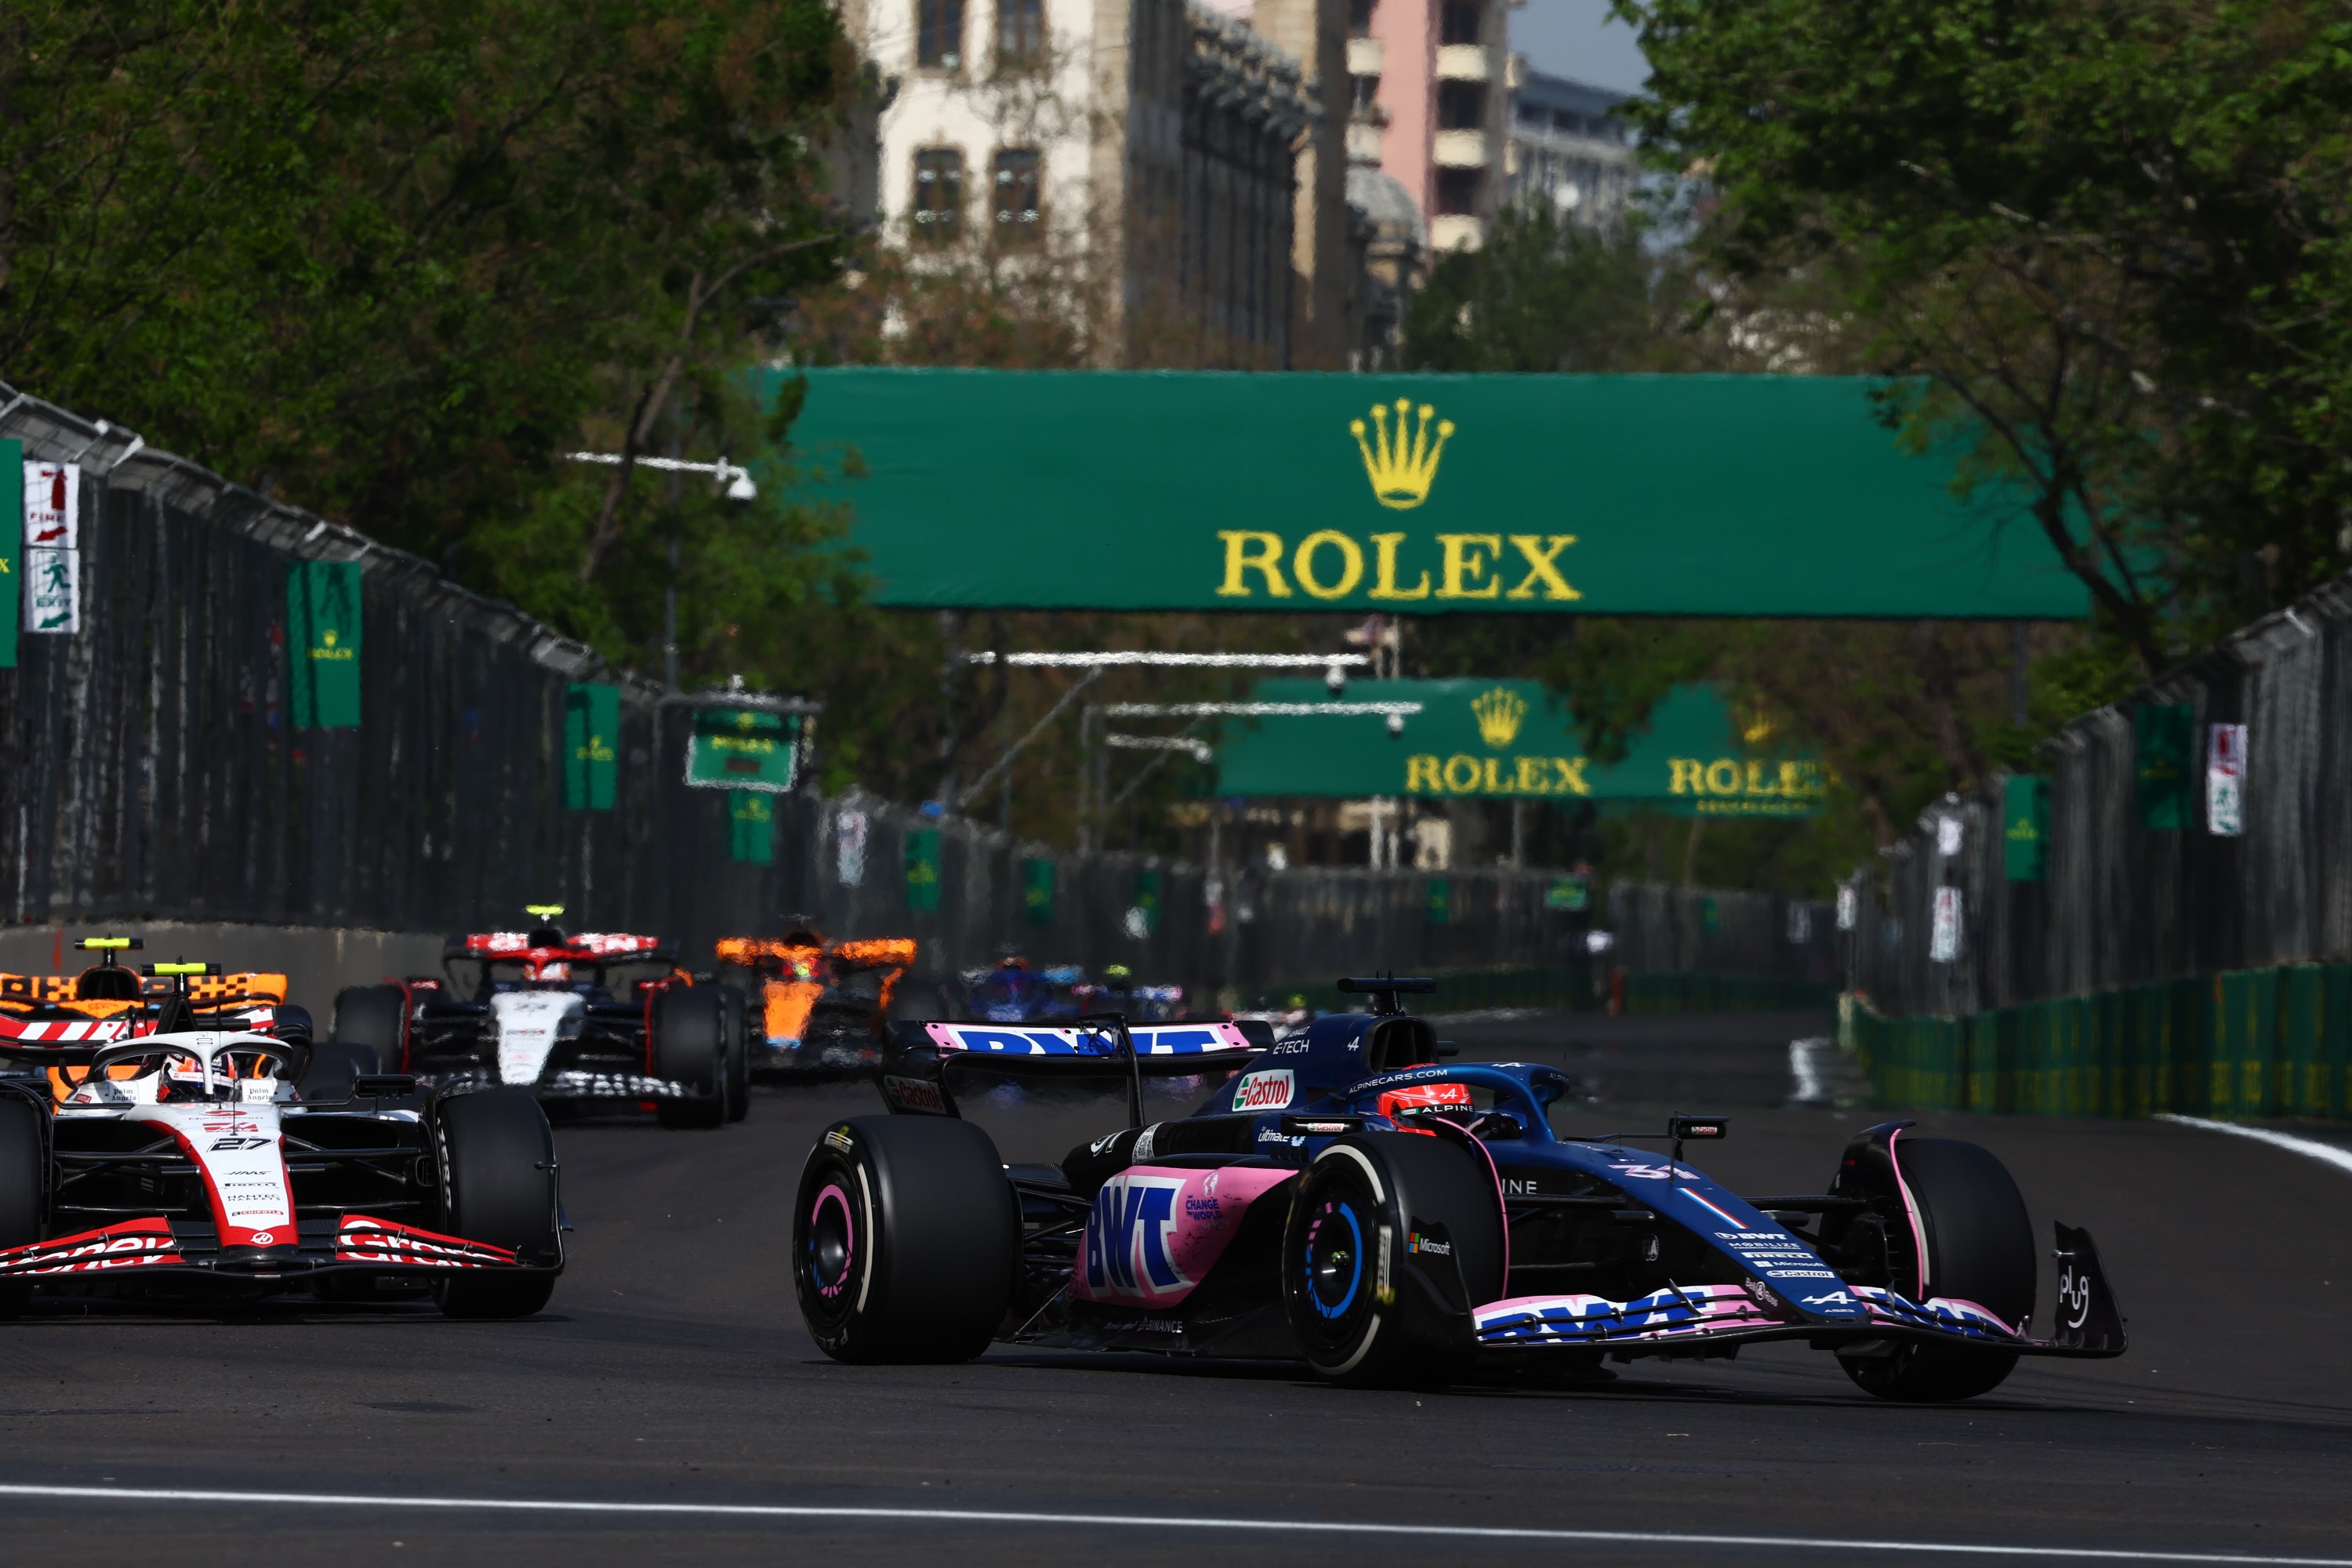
(690, 1048)
(495, 1159)
(905, 1240)
(22, 1181)
(738, 1063)
(1978, 1247)
(1365, 1308)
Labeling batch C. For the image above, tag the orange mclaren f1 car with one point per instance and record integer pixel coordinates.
(823, 1003)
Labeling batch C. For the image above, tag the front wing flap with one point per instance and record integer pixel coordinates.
(150, 1246)
(1692, 1318)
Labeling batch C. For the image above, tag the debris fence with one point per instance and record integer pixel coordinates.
(157, 773)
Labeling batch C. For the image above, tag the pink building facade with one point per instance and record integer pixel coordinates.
(1429, 85)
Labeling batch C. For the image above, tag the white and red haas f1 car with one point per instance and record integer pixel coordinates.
(184, 1161)
(553, 1015)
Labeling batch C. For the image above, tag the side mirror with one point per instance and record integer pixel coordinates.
(1681, 1127)
(1448, 1048)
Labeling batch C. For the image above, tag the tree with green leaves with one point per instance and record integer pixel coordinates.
(2101, 245)
(395, 259)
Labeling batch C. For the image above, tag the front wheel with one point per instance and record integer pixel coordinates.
(1979, 1247)
(496, 1159)
(22, 1158)
(905, 1240)
(1391, 1240)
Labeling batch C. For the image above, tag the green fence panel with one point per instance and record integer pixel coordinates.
(2242, 1043)
(2295, 1086)
(2335, 1049)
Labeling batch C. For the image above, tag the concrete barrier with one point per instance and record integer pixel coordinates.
(317, 961)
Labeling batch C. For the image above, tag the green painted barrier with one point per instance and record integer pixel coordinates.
(2244, 1043)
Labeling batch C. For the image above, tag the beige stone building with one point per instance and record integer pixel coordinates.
(1182, 167)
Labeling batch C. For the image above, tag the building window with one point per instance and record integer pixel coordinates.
(1457, 193)
(1012, 194)
(1459, 23)
(1366, 95)
(1020, 32)
(1461, 105)
(1359, 18)
(939, 34)
(938, 193)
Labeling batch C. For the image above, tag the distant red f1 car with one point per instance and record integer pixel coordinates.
(547, 1012)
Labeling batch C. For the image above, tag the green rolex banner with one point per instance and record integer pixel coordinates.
(12, 542)
(2166, 734)
(923, 869)
(750, 827)
(592, 738)
(1037, 890)
(1505, 739)
(2024, 826)
(322, 642)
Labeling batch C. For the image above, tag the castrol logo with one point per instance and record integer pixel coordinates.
(1265, 1090)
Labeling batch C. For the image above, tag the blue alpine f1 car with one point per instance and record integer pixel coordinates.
(1350, 1199)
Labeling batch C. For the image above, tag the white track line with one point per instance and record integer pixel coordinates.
(2328, 1153)
(1147, 1521)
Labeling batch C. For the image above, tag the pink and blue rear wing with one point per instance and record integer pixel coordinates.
(1216, 1041)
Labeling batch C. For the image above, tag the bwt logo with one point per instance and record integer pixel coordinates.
(1127, 1237)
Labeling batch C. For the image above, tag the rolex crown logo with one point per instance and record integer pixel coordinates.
(1500, 712)
(1403, 463)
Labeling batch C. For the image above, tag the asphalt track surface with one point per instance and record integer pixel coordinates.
(672, 1369)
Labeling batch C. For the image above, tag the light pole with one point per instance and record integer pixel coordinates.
(739, 487)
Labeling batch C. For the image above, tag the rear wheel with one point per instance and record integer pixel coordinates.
(739, 1065)
(21, 1172)
(1392, 1239)
(905, 1240)
(374, 1019)
(496, 1159)
(1979, 1247)
(690, 1050)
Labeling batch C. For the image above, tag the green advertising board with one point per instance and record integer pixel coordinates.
(743, 748)
(1037, 889)
(1513, 739)
(1692, 495)
(2165, 737)
(2024, 827)
(592, 740)
(923, 869)
(322, 644)
(750, 827)
(12, 548)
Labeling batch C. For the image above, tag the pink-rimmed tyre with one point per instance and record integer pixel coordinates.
(905, 1236)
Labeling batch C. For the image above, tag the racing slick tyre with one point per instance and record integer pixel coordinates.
(739, 1060)
(1979, 1243)
(22, 1157)
(690, 1050)
(497, 1159)
(373, 1018)
(1391, 1240)
(905, 1238)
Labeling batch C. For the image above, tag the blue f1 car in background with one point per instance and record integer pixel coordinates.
(1349, 1199)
